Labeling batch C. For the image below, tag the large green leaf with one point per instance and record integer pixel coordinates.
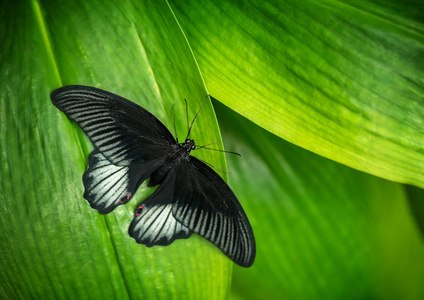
(344, 79)
(53, 245)
(323, 230)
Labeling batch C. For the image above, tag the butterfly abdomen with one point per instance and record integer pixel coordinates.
(180, 152)
(158, 176)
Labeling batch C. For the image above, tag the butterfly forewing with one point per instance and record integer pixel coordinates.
(205, 204)
(123, 131)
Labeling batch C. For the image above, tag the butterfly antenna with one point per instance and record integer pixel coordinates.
(225, 151)
(200, 147)
(175, 127)
(185, 100)
(191, 125)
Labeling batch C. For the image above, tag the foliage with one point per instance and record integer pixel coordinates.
(341, 79)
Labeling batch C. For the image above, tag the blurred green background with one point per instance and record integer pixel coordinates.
(323, 99)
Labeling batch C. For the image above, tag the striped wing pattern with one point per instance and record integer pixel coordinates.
(123, 131)
(108, 186)
(208, 207)
(154, 223)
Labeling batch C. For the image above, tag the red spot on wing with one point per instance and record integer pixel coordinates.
(140, 207)
(128, 198)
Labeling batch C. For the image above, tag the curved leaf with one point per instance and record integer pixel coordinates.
(343, 79)
(323, 230)
(53, 244)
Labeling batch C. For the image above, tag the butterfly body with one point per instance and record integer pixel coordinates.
(132, 145)
(180, 151)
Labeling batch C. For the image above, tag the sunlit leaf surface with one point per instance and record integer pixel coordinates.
(323, 230)
(343, 79)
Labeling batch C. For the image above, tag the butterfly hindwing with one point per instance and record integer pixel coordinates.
(123, 131)
(108, 186)
(153, 223)
(207, 206)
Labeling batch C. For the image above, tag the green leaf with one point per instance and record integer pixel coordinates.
(323, 230)
(343, 79)
(53, 245)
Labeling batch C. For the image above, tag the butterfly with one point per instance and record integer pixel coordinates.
(131, 145)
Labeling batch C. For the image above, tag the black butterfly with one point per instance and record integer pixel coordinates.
(131, 145)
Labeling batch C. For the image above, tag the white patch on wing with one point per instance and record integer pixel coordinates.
(155, 225)
(106, 185)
